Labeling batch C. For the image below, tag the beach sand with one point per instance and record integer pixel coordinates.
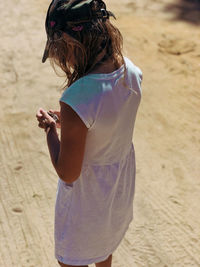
(163, 39)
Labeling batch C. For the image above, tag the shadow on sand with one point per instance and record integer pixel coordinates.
(186, 10)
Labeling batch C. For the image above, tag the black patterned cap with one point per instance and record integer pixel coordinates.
(70, 16)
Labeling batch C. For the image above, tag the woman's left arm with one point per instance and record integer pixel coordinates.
(68, 152)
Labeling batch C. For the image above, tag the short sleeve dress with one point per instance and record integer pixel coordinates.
(93, 214)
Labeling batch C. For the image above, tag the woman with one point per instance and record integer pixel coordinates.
(94, 157)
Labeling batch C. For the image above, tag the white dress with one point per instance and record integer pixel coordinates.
(93, 214)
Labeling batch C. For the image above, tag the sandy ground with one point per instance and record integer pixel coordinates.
(163, 39)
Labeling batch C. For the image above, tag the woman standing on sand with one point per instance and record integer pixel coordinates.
(94, 157)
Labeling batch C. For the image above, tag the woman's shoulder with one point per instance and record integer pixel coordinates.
(132, 68)
(83, 89)
(129, 63)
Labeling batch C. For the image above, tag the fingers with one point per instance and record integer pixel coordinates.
(56, 116)
(44, 119)
(56, 112)
(42, 115)
(44, 112)
(41, 118)
(38, 114)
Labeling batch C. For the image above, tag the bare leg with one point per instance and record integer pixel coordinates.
(106, 263)
(66, 265)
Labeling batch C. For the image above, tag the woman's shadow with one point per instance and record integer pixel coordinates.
(186, 10)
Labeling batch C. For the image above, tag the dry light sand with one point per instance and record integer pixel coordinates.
(163, 39)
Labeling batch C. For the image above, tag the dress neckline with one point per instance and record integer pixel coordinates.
(106, 75)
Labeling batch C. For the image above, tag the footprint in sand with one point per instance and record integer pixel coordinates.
(17, 210)
(18, 168)
(176, 46)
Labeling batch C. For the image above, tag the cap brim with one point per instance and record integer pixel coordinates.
(46, 52)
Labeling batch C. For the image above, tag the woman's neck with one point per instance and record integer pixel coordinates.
(107, 67)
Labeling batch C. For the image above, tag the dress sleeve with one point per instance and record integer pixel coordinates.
(140, 74)
(81, 99)
(136, 73)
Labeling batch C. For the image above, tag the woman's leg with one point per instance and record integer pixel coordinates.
(66, 265)
(106, 263)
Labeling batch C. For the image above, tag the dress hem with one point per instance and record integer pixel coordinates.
(94, 260)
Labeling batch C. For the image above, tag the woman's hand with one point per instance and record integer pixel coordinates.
(46, 122)
(57, 113)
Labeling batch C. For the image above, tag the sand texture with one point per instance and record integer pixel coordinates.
(163, 39)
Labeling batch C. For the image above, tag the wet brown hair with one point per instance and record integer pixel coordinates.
(78, 53)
